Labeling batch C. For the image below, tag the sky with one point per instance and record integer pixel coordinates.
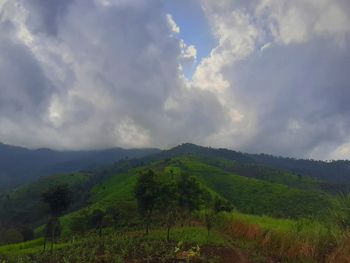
(269, 76)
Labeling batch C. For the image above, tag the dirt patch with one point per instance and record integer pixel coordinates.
(224, 254)
(205, 254)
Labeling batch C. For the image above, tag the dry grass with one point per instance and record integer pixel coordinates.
(303, 242)
(341, 253)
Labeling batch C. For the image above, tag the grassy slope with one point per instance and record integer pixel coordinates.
(255, 196)
(248, 195)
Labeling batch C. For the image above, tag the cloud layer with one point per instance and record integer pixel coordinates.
(82, 74)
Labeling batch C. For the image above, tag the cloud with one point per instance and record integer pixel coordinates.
(342, 152)
(172, 24)
(299, 21)
(45, 16)
(24, 87)
(93, 74)
(281, 67)
(188, 52)
(82, 74)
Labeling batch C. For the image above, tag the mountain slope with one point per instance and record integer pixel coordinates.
(23, 205)
(248, 195)
(336, 171)
(247, 185)
(20, 165)
(333, 171)
(252, 188)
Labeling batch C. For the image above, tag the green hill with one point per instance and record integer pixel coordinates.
(247, 194)
(250, 188)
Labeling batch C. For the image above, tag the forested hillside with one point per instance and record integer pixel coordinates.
(20, 165)
(335, 171)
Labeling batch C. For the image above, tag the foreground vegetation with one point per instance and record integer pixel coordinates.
(119, 247)
(260, 238)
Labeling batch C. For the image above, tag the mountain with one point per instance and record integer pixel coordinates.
(333, 171)
(19, 165)
(250, 188)
(239, 180)
(264, 194)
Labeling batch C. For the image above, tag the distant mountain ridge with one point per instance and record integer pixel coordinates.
(249, 181)
(19, 165)
(335, 171)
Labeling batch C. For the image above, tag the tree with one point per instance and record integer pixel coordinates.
(212, 208)
(209, 216)
(191, 194)
(10, 236)
(146, 192)
(168, 204)
(58, 199)
(52, 231)
(222, 205)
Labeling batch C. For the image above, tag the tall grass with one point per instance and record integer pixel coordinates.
(287, 240)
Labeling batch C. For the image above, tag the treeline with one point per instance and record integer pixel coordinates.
(160, 202)
(169, 202)
(334, 171)
(9, 235)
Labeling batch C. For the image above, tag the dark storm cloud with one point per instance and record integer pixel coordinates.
(45, 16)
(24, 88)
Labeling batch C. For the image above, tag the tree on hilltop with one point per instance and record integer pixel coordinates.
(146, 193)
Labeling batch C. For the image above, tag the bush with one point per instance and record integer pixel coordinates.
(11, 236)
